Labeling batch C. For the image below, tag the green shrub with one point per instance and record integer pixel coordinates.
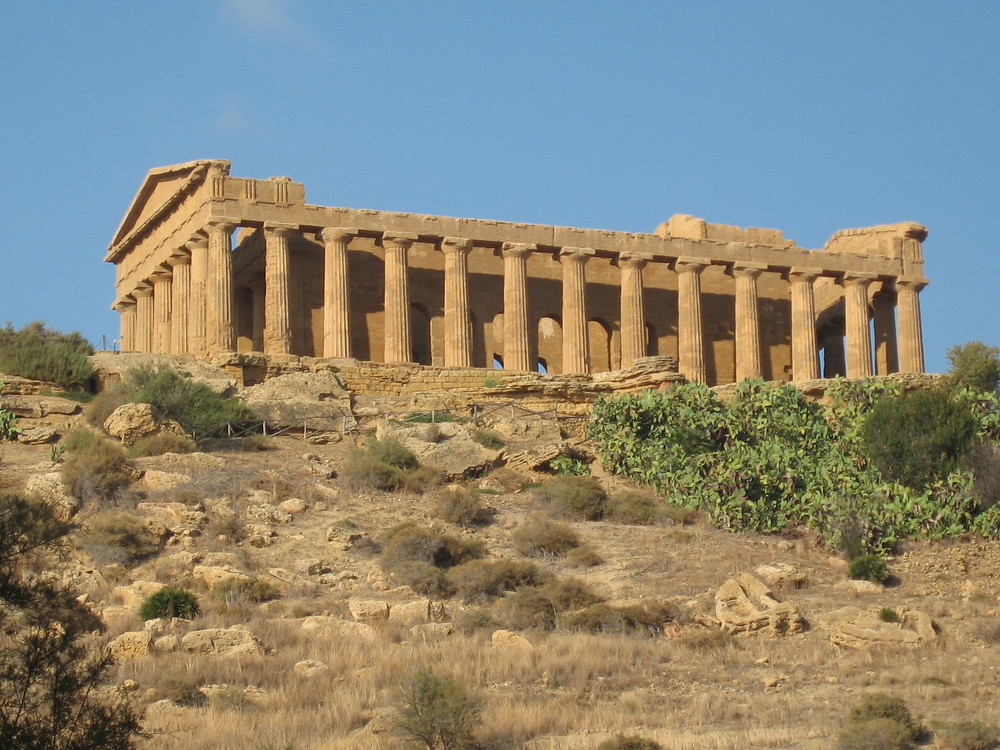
(569, 466)
(888, 614)
(868, 568)
(539, 536)
(488, 439)
(8, 426)
(193, 404)
(170, 602)
(160, 443)
(581, 496)
(874, 734)
(630, 742)
(96, 468)
(389, 465)
(919, 437)
(391, 451)
(635, 508)
(42, 353)
(117, 537)
(363, 471)
(882, 706)
(974, 365)
(969, 735)
(479, 580)
(437, 711)
(461, 506)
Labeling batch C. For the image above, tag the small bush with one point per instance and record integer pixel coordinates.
(392, 452)
(437, 711)
(569, 466)
(460, 506)
(703, 641)
(423, 578)
(888, 614)
(255, 443)
(475, 619)
(583, 556)
(238, 591)
(96, 412)
(635, 508)
(527, 608)
(419, 544)
(117, 538)
(875, 734)
(537, 537)
(160, 443)
(868, 568)
(422, 478)
(181, 690)
(480, 580)
(363, 471)
(882, 706)
(630, 742)
(488, 439)
(42, 353)
(569, 593)
(170, 602)
(96, 468)
(970, 735)
(581, 496)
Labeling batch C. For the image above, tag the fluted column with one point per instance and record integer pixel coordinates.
(576, 344)
(257, 316)
(180, 305)
(633, 316)
(884, 319)
(457, 325)
(398, 337)
(690, 330)
(144, 321)
(805, 349)
(336, 302)
(857, 324)
(162, 293)
(516, 344)
(198, 247)
(748, 358)
(126, 309)
(220, 333)
(911, 338)
(277, 305)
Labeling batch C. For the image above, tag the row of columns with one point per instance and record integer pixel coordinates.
(189, 306)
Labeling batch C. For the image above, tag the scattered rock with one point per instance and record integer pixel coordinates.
(311, 668)
(854, 628)
(136, 593)
(447, 446)
(510, 641)
(130, 645)
(369, 611)
(335, 626)
(131, 422)
(164, 480)
(36, 435)
(234, 641)
(418, 612)
(50, 488)
(781, 574)
(289, 400)
(746, 605)
(212, 576)
(859, 587)
(293, 505)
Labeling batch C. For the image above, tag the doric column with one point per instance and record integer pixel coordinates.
(144, 321)
(126, 308)
(748, 360)
(805, 350)
(633, 316)
(398, 338)
(220, 333)
(162, 293)
(516, 344)
(277, 305)
(857, 324)
(180, 305)
(198, 247)
(690, 331)
(457, 325)
(576, 344)
(257, 316)
(911, 338)
(336, 303)
(884, 319)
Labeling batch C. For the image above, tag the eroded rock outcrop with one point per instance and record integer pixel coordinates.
(746, 605)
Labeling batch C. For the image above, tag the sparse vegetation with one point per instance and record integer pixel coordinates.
(96, 469)
(580, 496)
(117, 537)
(389, 465)
(160, 443)
(170, 602)
(488, 439)
(41, 353)
(879, 721)
(437, 711)
(481, 580)
(636, 508)
(629, 742)
(969, 735)
(539, 536)
(461, 506)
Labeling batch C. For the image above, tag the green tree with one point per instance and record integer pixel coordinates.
(437, 712)
(50, 679)
(976, 366)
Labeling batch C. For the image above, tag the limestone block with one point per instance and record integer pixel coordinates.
(50, 488)
(131, 422)
(287, 400)
(311, 668)
(746, 605)
(293, 505)
(234, 641)
(369, 611)
(418, 613)
(431, 631)
(781, 574)
(164, 480)
(138, 592)
(855, 628)
(447, 446)
(508, 640)
(166, 644)
(130, 645)
(339, 628)
(212, 575)
(267, 514)
(36, 435)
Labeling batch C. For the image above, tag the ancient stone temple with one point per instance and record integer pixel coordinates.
(209, 263)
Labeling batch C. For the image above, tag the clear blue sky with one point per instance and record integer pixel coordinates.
(802, 116)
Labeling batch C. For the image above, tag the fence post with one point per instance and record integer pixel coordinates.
(263, 427)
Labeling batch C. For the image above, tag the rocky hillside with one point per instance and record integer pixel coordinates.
(310, 617)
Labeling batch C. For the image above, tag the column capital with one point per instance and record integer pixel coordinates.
(221, 225)
(179, 260)
(337, 234)
(854, 278)
(911, 284)
(198, 242)
(143, 291)
(455, 245)
(160, 274)
(750, 270)
(280, 229)
(578, 254)
(399, 239)
(633, 259)
(123, 304)
(800, 273)
(517, 249)
(686, 264)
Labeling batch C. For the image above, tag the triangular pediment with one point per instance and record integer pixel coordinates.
(162, 187)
